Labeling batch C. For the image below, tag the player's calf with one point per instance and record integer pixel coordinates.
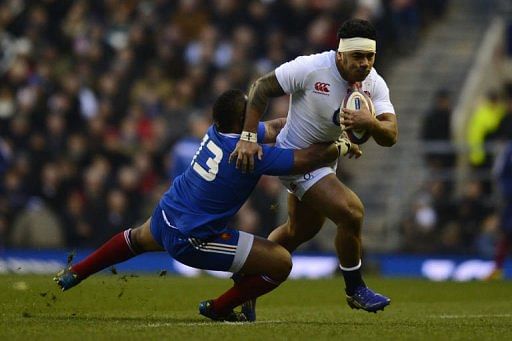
(119, 248)
(269, 259)
(267, 266)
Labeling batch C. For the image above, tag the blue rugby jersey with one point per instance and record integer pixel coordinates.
(201, 201)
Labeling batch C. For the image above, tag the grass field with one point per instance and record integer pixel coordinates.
(150, 307)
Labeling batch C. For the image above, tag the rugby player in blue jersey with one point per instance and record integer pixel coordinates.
(190, 221)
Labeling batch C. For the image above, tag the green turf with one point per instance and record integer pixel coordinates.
(114, 307)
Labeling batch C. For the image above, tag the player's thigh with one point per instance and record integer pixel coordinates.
(267, 258)
(226, 251)
(304, 220)
(143, 239)
(330, 197)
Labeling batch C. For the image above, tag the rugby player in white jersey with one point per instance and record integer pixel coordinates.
(317, 85)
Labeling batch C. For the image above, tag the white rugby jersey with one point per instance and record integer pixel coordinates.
(317, 90)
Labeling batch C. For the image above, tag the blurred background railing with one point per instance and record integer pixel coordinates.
(102, 104)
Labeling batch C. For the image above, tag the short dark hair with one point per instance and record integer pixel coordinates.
(353, 28)
(229, 110)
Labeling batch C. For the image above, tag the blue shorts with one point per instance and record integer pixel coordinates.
(227, 251)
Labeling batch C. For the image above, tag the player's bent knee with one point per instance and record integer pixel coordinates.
(351, 211)
(356, 210)
(282, 264)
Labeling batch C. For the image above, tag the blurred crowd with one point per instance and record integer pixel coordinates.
(441, 218)
(102, 103)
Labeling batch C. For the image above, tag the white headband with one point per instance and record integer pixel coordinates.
(357, 44)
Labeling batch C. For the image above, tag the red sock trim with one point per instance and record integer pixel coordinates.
(246, 289)
(118, 249)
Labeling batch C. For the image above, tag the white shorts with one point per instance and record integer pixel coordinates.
(298, 185)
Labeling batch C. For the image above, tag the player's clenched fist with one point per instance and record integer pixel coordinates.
(244, 155)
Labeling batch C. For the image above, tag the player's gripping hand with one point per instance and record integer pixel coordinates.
(358, 119)
(354, 151)
(345, 147)
(244, 155)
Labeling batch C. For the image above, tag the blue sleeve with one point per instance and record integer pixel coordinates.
(261, 132)
(275, 161)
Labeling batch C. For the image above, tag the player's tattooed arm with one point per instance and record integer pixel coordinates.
(261, 91)
(272, 129)
(259, 94)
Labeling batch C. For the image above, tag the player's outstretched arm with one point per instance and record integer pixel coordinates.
(272, 129)
(260, 93)
(322, 154)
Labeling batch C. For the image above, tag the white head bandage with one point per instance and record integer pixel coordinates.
(357, 44)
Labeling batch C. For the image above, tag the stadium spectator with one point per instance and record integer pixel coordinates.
(430, 225)
(436, 132)
(450, 239)
(483, 123)
(420, 227)
(472, 207)
(443, 222)
(486, 240)
(36, 227)
(184, 149)
(79, 232)
(5, 156)
(406, 24)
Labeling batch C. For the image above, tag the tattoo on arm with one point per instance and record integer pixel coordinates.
(264, 88)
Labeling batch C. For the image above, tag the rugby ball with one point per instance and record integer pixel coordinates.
(356, 100)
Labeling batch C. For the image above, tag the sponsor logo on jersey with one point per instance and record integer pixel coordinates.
(322, 88)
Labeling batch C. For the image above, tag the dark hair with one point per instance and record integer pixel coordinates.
(229, 110)
(353, 28)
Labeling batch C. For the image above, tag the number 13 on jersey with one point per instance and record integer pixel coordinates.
(212, 164)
